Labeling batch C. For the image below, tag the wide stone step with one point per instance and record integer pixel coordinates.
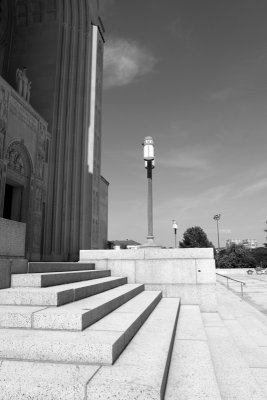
(101, 343)
(191, 374)
(235, 379)
(21, 380)
(142, 369)
(55, 278)
(58, 295)
(83, 313)
(38, 267)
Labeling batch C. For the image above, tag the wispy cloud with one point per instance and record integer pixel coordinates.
(253, 188)
(125, 61)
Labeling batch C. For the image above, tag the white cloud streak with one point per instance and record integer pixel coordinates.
(125, 61)
(252, 189)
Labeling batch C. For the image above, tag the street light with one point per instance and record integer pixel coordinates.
(149, 159)
(217, 217)
(175, 226)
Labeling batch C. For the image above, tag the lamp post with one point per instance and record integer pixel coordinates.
(149, 165)
(217, 217)
(175, 226)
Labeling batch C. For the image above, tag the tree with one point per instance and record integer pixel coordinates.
(265, 244)
(237, 256)
(260, 255)
(195, 237)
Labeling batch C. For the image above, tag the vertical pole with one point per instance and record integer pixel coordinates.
(175, 238)
(149, 201)
(218, 234)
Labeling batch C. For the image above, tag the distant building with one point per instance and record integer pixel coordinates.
(125, 244)
(247, 243)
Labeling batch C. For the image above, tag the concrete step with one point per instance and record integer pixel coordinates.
(83, 313)
(101, 343)
(247, 326)
(235, 379)
(58, 295)
(44, 381)
(55, 278)
(142, 369)
(38, 267)
(191, 374)
(73, 316)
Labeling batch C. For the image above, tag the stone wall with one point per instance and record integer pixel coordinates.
(12, 238)
(12, 250)
(185, 273)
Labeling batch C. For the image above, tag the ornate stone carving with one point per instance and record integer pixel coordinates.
(3, 109)
(15, 160)
(18, 159)
(23, 84)
(41, 151)
(21, 112)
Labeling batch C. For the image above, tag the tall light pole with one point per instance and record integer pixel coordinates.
(217, 217)
(175, 226)
(149, 165)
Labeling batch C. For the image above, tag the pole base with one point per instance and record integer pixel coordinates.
(150, 243)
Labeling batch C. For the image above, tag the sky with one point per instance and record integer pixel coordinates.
(193, 75)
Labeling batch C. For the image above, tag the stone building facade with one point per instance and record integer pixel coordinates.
(50, 143)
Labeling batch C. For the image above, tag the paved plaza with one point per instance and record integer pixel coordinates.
(255, 289)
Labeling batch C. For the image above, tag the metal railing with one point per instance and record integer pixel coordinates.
(232, 279)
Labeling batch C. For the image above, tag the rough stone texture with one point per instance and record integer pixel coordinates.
(190, 324)
(12, 238)
(28, 381)
(167, 271)
(235, 380)
(185, 273)
(55, 278)
(5, 273)
(59, 295)
(191, 375)
(83, 313)
(148, 253)
(17, 316)
(141, 371)
(101, 343)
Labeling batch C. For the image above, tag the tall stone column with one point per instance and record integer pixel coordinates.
(69, 201)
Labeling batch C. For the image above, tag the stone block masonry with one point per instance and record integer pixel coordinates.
(12, 238)
(185, 273)
(12, 250)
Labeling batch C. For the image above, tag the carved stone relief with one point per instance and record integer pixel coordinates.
(41, 151)
(20, 111)
(15, 161)
(23, 84)
(18, 159)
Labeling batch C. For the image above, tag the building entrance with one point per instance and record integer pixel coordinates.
(13, 202)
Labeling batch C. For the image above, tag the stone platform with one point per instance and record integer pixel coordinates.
(185, 273)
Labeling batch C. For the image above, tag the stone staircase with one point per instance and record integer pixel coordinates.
(68, 331)
(61, 324)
